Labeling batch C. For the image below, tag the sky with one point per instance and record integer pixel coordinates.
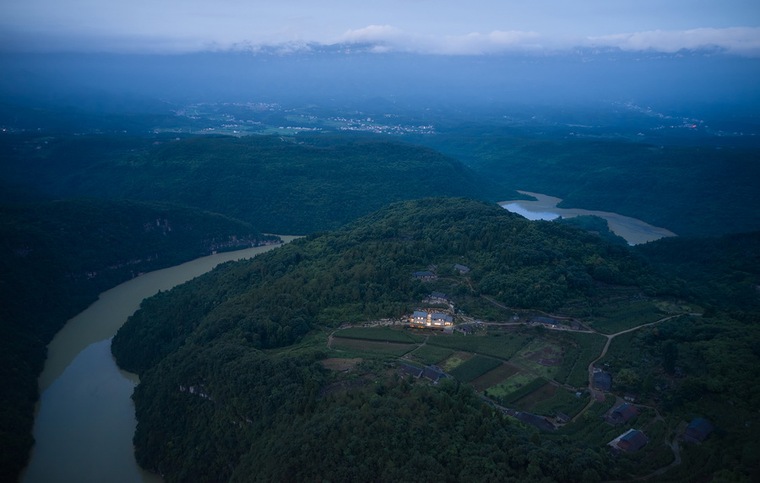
(474, 27)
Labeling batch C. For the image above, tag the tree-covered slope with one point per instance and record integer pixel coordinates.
(364, 271)
(693, 188)
(213, 382)
(721, 272)
(292, 185)
(56, 257)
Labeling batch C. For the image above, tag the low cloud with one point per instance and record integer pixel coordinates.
(385, 38)
(737, 40)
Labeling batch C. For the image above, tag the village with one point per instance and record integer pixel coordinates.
(523, 372)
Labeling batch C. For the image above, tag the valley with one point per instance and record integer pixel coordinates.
(304, 338)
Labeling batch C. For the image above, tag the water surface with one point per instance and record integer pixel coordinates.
(85, 421)
(544, 207)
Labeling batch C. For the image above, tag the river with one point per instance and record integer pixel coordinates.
(544, 207)
(85, 420)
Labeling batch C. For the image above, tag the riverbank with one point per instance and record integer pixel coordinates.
(85, 420)
(544, 207)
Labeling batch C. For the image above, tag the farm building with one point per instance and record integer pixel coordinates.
(419, 317)
(698, 430)
(463, 269)
(430, 320)
(622, 414)
(440, 319)
(424, 275)
(434, 373)
(409, 370)
(602, 380)
(630, 441)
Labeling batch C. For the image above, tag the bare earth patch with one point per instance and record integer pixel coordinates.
(546, 356)
(337, 364)
(454, 360)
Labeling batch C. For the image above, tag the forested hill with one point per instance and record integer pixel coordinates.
(364, 272)
(219, 401)
(295, 185)
(56, 257)
(723, 273)
(689, 188)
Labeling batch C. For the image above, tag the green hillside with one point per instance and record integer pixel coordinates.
(293, 185)
(694, 188)
(244, 384)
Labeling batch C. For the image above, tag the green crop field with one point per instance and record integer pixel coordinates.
(494, 377)
(562, 401)
(428, 354)
(502, 346)
(510, 385)
(379, 333)
(455, 360)
(580, 350)
(613, 318)
(474, 368)
(362, 346)
(524, 391)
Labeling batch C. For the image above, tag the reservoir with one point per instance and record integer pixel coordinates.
(544, 207)
(85, 420)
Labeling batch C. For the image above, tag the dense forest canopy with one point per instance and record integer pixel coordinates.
(95, 195)
(246, 343)
(280, 184)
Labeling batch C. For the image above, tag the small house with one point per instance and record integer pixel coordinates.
(418, 319)
(462, 269)
(434, 374)
(698, 430)
(622, 414)
(409, 370)
(562, 418)
(630, 441)
(424, 275)
(602, 380)
(440, 319)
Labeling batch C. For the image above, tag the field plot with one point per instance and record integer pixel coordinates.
(591, 429)
(540, 357)
(380, 333)
(474, 368)
(455, 360)
(371, 346)
(494, 377)
(502, 346)
(529, 400)
(624, 315)
(510, 385)
(580, 350)
(561, 401)
(428, 354)
(525, 390)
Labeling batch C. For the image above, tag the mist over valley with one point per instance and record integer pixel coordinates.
(410, 328)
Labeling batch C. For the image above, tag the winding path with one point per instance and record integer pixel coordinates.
(596, 394)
